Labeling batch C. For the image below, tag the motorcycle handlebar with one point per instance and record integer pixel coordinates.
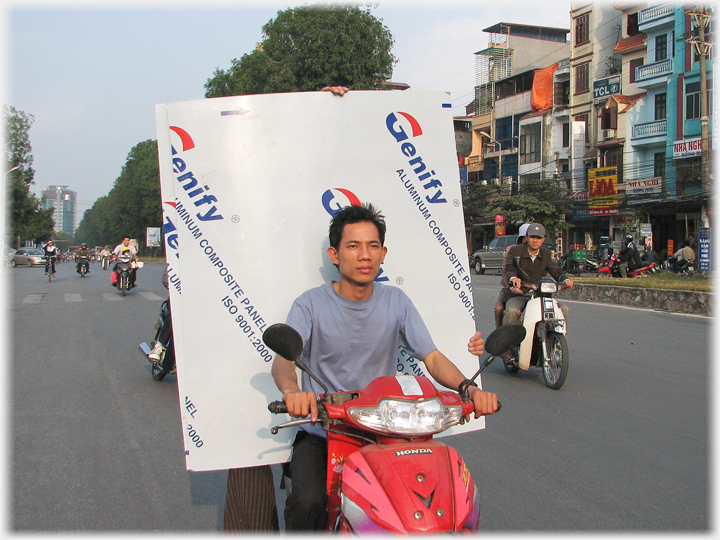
(277, 407)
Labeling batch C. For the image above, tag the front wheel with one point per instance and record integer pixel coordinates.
(556, 369)
(13, 263)
(123, 284)
(479, 267)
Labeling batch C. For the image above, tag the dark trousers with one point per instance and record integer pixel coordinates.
(306, 506)
(250, 500)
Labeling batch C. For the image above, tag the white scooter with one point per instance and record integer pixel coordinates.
(545, 345)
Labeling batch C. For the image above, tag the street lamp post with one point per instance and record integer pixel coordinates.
(4, 194)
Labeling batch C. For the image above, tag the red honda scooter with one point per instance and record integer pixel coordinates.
(611, 268)
(386, 474)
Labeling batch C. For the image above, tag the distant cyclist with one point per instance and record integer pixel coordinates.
(51, 254)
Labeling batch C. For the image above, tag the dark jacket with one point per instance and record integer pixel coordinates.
(543, 264)
(630, 254)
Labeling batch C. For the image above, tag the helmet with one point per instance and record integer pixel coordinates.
(84, 244)
(628, 238)
(125, 249)
(523, 229)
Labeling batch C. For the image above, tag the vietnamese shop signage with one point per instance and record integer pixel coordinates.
(604, 88)
(644, 188)
(687, 148)
(704, 256)
(602, 191)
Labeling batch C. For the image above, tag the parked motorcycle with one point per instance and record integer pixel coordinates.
(386, 474)
(611, 268)
(545, 345)
(83, 263)
(166, 365)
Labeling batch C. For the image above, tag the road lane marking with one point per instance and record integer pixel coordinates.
(111, 296)
(149, 295)
(73, 297)
(33, 299)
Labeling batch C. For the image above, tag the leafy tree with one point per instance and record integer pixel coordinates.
(132, 205)
(27, 220)
(308, 47)
(537, 201)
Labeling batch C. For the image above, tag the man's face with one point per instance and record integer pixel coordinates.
(360, 253)
(534, 242)
(126, 241)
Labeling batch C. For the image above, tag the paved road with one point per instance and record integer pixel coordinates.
(96, 443)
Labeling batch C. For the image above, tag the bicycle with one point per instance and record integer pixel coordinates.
(50, 265)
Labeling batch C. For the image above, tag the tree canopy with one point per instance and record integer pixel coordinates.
(27, 220)
(537, 201)
(309, 47)
(132, 205)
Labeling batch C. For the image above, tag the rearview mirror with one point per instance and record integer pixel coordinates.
(504, 338)
(284, 341)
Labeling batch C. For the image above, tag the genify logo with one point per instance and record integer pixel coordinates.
(170, 231)
(397, 126)
(334, 200)
(189, 183)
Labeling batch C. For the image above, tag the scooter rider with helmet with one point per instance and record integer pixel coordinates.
(629, 256)
(123, 248)
(83, 252)
(535, 262)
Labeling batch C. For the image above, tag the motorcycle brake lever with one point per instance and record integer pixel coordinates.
(274, 430)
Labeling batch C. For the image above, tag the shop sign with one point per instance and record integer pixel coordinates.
(604, 88)
(704, 255)
(602, 191)
(499, 225)
(687, 148)
(581, 213)
(644, 188)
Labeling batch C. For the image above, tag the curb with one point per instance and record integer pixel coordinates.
(663, 300)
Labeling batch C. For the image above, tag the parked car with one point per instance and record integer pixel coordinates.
(29, 256)
(491, 257)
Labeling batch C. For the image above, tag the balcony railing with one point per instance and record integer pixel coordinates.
(650, 129)
(656, 69)
(655, 12)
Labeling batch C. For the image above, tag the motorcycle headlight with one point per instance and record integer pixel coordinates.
(548, 287)
(398, 417)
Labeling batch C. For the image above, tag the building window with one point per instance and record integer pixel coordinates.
(689, 170)
(632, 24)
(634, 64)
(582, 29)
(661, 106)
(566, 135)
(530, 143)
(661, 51)
(504, 132)
(582, 78)
(692, 100)
(659, 165)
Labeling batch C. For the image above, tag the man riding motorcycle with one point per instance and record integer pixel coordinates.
(535, 262)
(83, 252)
(125, 247)
(629, 256)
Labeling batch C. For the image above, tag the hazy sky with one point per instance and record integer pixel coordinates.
(91, 76)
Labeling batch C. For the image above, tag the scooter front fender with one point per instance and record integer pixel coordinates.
(532, 316)
(408, 488)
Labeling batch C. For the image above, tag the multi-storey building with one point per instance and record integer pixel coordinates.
(63, 201)
(505, 72)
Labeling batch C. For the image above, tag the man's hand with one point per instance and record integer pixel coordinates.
(486, 403)
(300, 404)
(569, 283)
(337, 90)
(476, 345)
(515, 285)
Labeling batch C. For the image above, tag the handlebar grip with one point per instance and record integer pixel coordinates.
(277, 407)
(499, 406)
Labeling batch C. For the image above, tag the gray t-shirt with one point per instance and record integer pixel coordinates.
(348, 344)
